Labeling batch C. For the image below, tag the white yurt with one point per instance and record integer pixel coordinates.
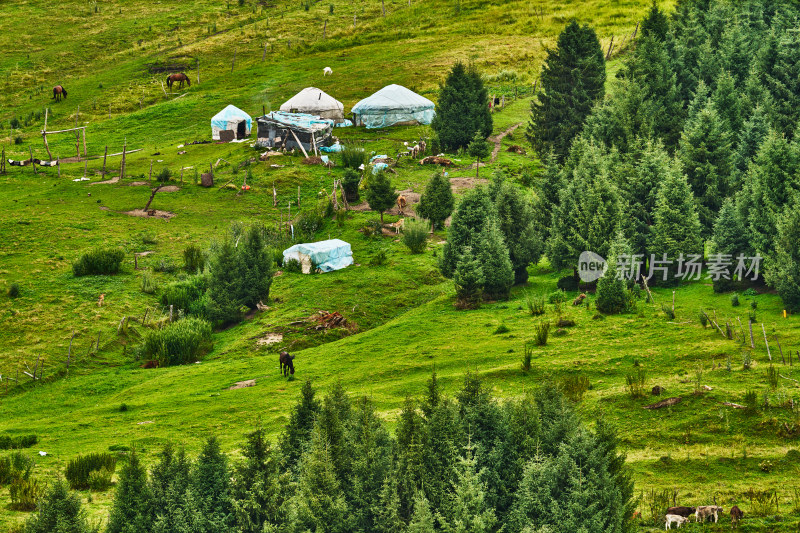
(231, 123)
(394, 104)
(315, 101)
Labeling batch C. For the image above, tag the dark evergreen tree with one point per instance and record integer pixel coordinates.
(333, 422)
(479, 149)
(224, 285)
(462, 109)
(169, 486)
(729, 238)
(783, 272)
(387, 510)
(297, 435)
(690, 49)
(572, 80)
(517, 219)
(210, 490)
(381, 194)
(469, 280)
(557, 417)
(436, 203)
(549, 185)
(133, 510)
(676, 227)
(410, 467)
(257, 488)
(753, 133)
(655, 24)
(255, 267)
(467, 510)
(498, 273)
(611, 295)
(468, 221)
(639, 189)
(422, 519)
(58, 512)
(781, 75)
(726, 102)
(442, 437)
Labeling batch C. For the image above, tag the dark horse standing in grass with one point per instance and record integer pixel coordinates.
(178, 78)
(58, 92)
(286, 363)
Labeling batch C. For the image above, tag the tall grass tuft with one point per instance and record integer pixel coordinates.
(772, 377)
(79, 469)
(353, 156)
(148, 284)
(535, 303)
(188, 295)
(527, 355)
(25, 494)
(99, 261)
(540, 333)
(636, 383)
(8, 442)
(194, 259)
(179, 343)
(668, 311)
(574, 387)
(415, 236)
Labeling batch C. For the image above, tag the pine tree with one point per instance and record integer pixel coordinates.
(676, 227)
(557, 418)
(782, 81)
(550, 183)
(387, 511)
(298, 431)
(436, 203)
(468, 221)
(224, 285)
(257, 487)
(169, 485)
(333, 422)
(573, 79)
(58, 512)
(469, 280)
(727, 104)
(655, 24)
(498, 273)
(210, 489)
(319, 503)
(462, 108)
(729, 238)
(479, 149)
(422, 519)
(783, 272)
(409, 456)
(517, 219)
(753, 133)
(706, 155)
(443, 435)
(255, 265)
(467, 511)
(133, 510)
(611, 297)
(381, 194)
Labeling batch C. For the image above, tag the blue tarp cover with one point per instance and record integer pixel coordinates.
(392, 105)
(221, 120)
(302, 121)
(329, 255)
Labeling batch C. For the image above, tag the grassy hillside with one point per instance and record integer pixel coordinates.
(109, 56)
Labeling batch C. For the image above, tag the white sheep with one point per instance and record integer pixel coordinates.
(326, 71)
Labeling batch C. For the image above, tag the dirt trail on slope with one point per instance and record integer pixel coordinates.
(498, 139)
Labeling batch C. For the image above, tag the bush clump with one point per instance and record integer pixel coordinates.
(194, 259)
(8, 442)
(98, 261)
(25, 493)
(179, 343)
(14, 290)
(100, 480)
(350, 183)
(148, 285)
(188, 295)
(80, 469)
(353, 156)
(415, 236)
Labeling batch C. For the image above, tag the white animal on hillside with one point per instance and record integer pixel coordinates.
(326, 71)
(674, 519)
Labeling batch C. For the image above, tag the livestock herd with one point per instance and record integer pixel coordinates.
(680, 515)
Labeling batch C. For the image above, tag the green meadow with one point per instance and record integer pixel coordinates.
(110, 56)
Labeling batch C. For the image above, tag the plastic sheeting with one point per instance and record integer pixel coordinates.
(327, 255)
(228, 119)
(315, 102)
(344, 123)
(394, 104)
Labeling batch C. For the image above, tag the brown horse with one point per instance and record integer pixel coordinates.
(286, 363)
(178, 78)
(58, 92)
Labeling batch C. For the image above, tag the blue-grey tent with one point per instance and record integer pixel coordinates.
(327, 256)
(394, 104)
(231, 119)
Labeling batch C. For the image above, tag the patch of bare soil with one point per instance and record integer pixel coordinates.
(243, 384)
(137, 183)
(115, 179)
(269, 339)
(461, 184)
(150, 213)
(169, 188)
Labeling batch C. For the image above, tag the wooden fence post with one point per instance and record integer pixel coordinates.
(44, 134)
(105, 155)
(766, 342)
(30, 151)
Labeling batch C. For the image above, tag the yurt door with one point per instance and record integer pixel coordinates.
(241, 130)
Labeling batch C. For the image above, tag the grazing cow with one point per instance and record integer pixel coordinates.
(736, 514)
(287, 367)
(675, 519)
(681, 511)
(579, 300)
(326, 71)
(59, 92)
(704, 512)
(101, 300)
(401, 203)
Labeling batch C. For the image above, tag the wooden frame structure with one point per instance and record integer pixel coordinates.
(45, 133)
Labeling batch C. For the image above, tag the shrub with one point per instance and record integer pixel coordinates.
(535, 304)
(772, 377)
(15, 466)
(179, 343)
(25, 494)
(415, 236)
(574, 387)
(14, 443)
(374, 228)
(350, 183)
(379, 258)
(540, 333)
(148, 285)
(166, 266)
(527, 355)
(703, 318)
(99, 261)
(749, 292)
(293, 266)
(568, 283)
(13, 290)
(747, 361)
(188, 295)
(148, 237)
(308, 223)
(735, 300)
(502, 328)
(636, 383)
(100, 480)
(752, 316)
(668, 311)
(194, 259)
(468, 280)
(353, 156)
(79, 469)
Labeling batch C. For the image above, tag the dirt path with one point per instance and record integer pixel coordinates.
(498, 139)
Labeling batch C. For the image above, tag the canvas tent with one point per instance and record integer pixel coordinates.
(328, 255)
(394, 104)
(231, 123)
(313, 101)
(290, 130)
